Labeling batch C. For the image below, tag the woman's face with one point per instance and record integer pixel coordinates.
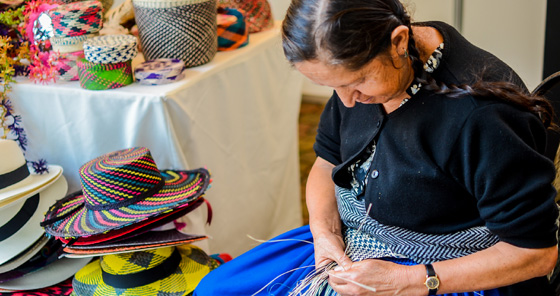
(378, 82)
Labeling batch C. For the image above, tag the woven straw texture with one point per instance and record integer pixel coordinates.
(187, 32)
(194, 265)
(159, 71)
(111, 49)
(122, 188)
(67, 66)
(258, 13)
(95, 76)
(70, 44)
(75, 19)
(106, 4)
(232, 35)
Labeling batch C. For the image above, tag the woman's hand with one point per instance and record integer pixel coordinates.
(376, 277)
(330, 247)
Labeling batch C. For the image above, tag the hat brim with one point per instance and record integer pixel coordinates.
(29, 232)
(50, 275)
(29, 186)
(194, 265)
(181, 188)
(134, 229)
(146, 241)
(22, 257)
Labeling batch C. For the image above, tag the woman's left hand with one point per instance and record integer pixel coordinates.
(372, 277)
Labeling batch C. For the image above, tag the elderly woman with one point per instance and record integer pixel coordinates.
(429, 178)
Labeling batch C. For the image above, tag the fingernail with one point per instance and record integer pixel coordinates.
(338, 268)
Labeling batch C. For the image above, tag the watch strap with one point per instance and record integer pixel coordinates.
(431, 272)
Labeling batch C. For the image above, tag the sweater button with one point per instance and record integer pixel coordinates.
(374, 174)
(378, 123)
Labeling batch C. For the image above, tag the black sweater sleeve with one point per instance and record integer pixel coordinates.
(497, 157)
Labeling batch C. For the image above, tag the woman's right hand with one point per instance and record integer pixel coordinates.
(330, 247)
(324, 219)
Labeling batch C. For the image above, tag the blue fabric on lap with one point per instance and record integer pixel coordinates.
(264, 265)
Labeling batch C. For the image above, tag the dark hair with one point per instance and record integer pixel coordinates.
(351, 33)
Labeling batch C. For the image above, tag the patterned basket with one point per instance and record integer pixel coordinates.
(177, 29)
(257, 13)
(95, 76)
(76, 18)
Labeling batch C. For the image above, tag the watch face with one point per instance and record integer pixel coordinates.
(432, 282)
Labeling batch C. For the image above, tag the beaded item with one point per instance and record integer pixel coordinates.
(77, 18)
(232, 35)
(178, 29)
(70, 44)
(122, 188)
(159, 71)
(67, 66)
(111, 49)
(95, 76)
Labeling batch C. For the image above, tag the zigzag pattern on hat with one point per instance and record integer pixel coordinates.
(191, 28)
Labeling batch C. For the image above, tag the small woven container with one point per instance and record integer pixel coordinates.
(96, 76)
(258, 13)
(77, 18)
(178, 29)
(70, 44)
(111, 49)
(67, 66)
(160, 71)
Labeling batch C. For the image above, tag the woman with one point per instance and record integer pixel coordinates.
(429, 176)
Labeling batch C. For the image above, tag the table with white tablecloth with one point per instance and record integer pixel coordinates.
(236, 115)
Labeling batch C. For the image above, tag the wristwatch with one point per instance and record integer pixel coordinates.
(432, 280)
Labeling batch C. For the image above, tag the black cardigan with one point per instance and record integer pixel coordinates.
(445, 164)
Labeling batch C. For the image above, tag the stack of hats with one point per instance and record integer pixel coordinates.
(73, 24)
(107, 63)
(124, 213)
(159, 71)
(29, 259)
(232, 29)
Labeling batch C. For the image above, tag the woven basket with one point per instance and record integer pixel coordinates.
(258, 13)
(177, 29)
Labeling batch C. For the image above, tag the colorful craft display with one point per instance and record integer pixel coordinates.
(94, 76)
(160, 71)
(232, 33)
(67, 65)
(111, 49)
(177, 29)
(77, 18)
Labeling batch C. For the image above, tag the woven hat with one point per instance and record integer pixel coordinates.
(258, 13)
(136, 228)
(111, 49)
(162, 271)
(16, 180)
(50, 275)
(19, 221)
(121, 188)
(149, 240)
(25, 255)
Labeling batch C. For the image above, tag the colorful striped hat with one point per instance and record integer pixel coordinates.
(121, 188)
(161, 271)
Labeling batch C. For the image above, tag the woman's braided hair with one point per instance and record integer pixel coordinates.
(351, 33)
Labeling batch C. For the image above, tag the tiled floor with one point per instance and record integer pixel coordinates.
(308, 120)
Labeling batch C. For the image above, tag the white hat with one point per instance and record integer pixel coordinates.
(25, 255)
(20, 220)
(50, 275)
(16, 181)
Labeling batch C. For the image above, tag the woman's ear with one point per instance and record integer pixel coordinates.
(399, 42)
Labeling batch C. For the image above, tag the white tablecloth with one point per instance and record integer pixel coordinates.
(236, 115)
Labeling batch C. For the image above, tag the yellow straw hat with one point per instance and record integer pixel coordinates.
(162, 271)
